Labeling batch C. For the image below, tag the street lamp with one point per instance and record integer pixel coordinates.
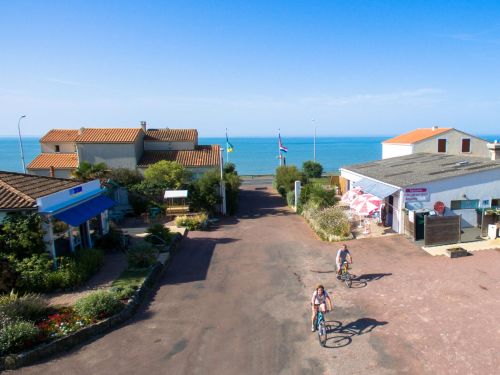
(21, 141)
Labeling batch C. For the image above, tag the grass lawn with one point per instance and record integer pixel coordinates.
(131, 277)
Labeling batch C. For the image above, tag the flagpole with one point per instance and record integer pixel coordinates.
(227, 147)
(279, 148)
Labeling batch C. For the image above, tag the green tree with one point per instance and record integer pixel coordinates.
(230, 168)
(161, 176)
(169, 174)
(312, 169)
(87, 171)
(286, 177)
(22, 235)
(204, 193)
(125, 177)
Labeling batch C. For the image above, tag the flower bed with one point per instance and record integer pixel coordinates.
(60, 329)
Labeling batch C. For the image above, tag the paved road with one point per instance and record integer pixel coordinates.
(235, 301)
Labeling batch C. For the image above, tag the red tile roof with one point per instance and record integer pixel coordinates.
(20, 191)
(58, 160)
(171, 135)
(109, 135)
(417, 135)
(60, 135)
(202, 156)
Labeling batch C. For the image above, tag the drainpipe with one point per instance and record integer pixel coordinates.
(52, 171)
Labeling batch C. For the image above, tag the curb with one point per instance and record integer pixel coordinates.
(91, 332)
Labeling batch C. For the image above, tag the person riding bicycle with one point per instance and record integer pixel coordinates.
(320, 301)
(343, 255)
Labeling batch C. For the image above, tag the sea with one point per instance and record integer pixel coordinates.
(252, 156)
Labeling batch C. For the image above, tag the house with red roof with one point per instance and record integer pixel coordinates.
(133, 148)
(448, 141)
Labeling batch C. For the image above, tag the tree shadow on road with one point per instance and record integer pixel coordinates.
(340, 335)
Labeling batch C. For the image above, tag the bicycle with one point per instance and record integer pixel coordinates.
(345, 276)
(321, 327)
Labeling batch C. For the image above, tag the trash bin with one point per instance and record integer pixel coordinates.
(492, 231)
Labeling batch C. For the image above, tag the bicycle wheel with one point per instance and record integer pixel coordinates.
(322, 333)
(348, 280)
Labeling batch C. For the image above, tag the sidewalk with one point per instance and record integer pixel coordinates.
(469, 246)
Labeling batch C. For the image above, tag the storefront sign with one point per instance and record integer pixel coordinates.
(416, 195)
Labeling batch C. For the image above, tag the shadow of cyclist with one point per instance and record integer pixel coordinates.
(340, 335)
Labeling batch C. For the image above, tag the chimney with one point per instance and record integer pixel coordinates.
(52, 171)
(81, 130)
(434, 128)
(494, 150)
(143, 126)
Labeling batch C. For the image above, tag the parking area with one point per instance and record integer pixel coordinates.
(427, 314)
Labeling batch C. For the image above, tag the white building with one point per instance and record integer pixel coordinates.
(417, 182)
(447, 141)
(76, 213)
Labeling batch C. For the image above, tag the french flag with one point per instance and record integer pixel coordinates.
(282, 147)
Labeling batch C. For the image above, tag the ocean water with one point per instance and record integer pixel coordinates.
(252, 156)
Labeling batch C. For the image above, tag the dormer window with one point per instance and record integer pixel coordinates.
(466, 145)
(442, 145)
(57, 148)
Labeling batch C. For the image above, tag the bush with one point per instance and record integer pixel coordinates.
(230, 168)
(204, 193)
(17, 335)
(141, 255)
(286, 177)
(111, 240)
(195, 222)
(233, 182)
(316, 195)
(158, 230)
(333, 220)
(124, 292)
(28, 307)
(312, 169)
(290, 198)
(138, 202)
(36, 274)
(125, 177)
(22, 235)
(98, 305)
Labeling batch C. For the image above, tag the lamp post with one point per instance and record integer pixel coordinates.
(21, 141)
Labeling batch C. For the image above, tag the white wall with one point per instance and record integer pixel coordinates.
(479, 185)
(59, 173)
(63, 147)
(453, 144)
(391, 150)
(165, 146)
(114, 155)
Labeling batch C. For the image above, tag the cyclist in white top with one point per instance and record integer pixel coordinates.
(343, 255)
(320, 300)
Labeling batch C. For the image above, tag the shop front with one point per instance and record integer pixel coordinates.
(75, 217)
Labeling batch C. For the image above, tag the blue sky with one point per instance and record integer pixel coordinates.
(356, 67)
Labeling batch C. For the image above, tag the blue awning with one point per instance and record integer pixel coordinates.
(84, 211)
(378, 189)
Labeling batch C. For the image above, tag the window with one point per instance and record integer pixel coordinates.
(441, 145)
(466, 145)
(466, 204)
(495, 202)
(58, 149)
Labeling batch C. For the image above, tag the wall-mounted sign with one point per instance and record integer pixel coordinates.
(416, 194)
